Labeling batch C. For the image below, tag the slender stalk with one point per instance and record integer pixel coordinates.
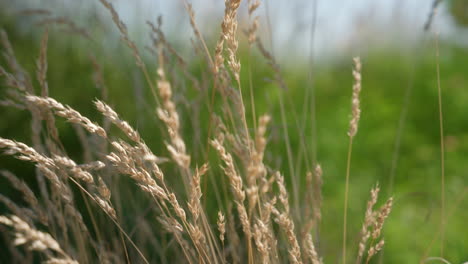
(353, 128)
(113, 220)
(442, 148)
(345, 215)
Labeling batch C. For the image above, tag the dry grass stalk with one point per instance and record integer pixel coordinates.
(314, 185)
(353, 127)
(34, 239)
(47, 167)
(108, 112)
(236, 184)
(159, 40)
(372, 226)
(233, 236)
(28, 194)
(273, 64)
(24, 152)
(264, 237)
(105, 206)
(41, 65)
(20, 78)
(374, 250)
(252, 29)
(228, 35)
(197, 33)
(24, 213)
(194, 204)
(317, 195)
(368, 221)
(125, 163)
(287, 225)
(92, 166)
(103, 190)
(309, 250)
(168, 114)
(221, 226)
(137, 161)
(283, 192)
(124, 33)
(312, 223)
(35, 11)
(256, 170)
(285, 221)
(70, 26)
(19, 82)
(60, 261)
(70, 166)
(67, 112)
(230, 171)
(261, 242)
(433, 12)
(180, 212)
(381, 216)
(356, 109)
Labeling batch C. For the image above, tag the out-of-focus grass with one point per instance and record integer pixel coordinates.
(414, 221)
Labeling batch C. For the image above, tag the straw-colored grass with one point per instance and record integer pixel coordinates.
(79, 216)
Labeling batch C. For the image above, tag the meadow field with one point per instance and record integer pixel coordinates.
(139, 153)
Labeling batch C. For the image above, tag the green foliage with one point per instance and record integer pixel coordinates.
(459, 11)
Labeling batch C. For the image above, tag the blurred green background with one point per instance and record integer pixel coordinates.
(399, 101)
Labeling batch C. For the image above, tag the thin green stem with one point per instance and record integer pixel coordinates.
(345, 209)
(442, 148)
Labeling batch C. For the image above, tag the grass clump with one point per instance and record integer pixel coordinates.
(205, 192)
